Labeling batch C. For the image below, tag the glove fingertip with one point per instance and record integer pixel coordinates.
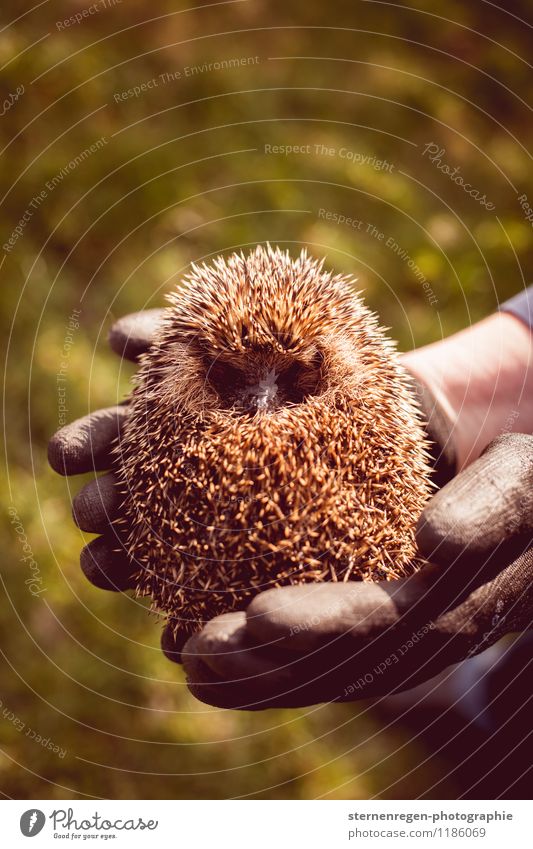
(208, 688)
(172, 642)
(58, 454)
(106, 567)
(85, 445)
(132, 335)
(96, 505)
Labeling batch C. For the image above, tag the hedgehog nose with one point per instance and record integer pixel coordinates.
(263, 394)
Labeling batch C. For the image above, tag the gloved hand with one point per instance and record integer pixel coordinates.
(85, 445)
(301, 645)
(376, 622)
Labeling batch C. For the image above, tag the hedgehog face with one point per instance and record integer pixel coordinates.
(263, 379)
(255, 335)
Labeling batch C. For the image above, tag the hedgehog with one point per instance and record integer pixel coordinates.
(271, 439)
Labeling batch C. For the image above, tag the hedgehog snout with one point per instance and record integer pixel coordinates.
(263, 394)
(261, 384)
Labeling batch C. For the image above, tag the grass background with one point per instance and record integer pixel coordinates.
(183, 175)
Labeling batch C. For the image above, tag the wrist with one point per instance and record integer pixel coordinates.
(482, 378)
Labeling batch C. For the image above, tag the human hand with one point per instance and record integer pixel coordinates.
(86, 445)
(301, 645)
(482, 381)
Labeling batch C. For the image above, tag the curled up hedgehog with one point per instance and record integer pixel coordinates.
(272, 439)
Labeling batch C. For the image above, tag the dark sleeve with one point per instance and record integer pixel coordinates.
(521, 306)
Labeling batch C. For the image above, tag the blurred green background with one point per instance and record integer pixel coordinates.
(182, 173)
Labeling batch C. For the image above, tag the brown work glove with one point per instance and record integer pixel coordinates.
(300, 645)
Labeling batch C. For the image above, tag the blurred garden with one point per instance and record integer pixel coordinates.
(137, 138)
